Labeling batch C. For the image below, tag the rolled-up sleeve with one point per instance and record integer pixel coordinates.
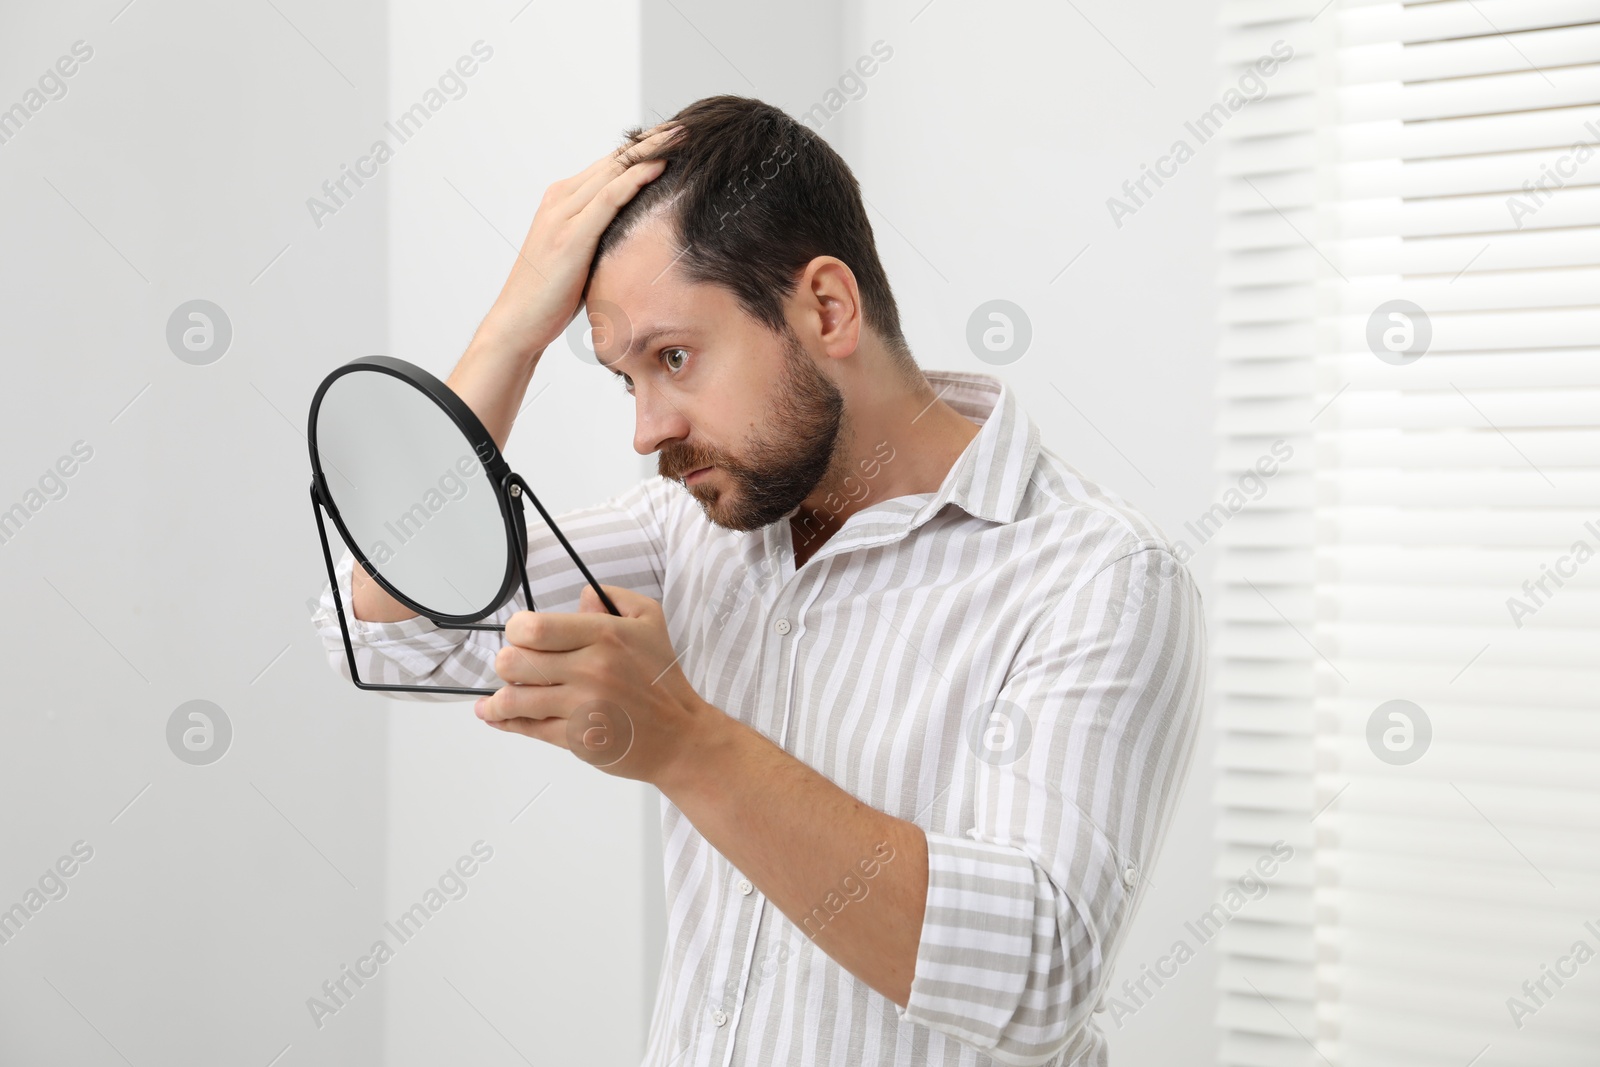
(622, 541)
(1101, 708)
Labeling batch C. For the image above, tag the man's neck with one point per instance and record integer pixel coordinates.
(897, 443)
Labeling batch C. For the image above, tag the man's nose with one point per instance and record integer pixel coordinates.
(657, 421)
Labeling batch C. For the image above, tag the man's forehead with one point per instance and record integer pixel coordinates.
(643, 258)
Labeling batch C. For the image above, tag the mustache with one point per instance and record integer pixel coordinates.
(677, 466)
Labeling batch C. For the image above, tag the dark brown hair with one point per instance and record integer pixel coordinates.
(753, 196)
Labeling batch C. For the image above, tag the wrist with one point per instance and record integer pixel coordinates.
(705, 756)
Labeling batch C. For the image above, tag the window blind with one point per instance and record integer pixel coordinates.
(1270, 272)
(1412, 297)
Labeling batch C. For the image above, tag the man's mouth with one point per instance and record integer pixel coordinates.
(696, 475)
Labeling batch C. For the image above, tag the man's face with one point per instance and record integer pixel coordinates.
(712, 387)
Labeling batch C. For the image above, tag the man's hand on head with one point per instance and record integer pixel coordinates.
(546, 282)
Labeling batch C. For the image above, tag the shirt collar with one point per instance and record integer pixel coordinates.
(989, 479)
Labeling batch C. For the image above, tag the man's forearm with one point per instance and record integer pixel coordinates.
(491, 377)
(808, 845)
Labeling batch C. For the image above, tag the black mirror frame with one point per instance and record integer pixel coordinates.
(510, 491)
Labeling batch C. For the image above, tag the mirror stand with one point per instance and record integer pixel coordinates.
(518, 489)
(344, 627)
(513, 487)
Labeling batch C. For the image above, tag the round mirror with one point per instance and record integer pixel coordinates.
(417, 488)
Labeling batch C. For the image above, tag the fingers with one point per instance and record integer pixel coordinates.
(522, 666)
(521, 702)
(550, 631)
(619, 162)
(625, 156)
(551, 731)
(603, 207)
(608, 165)
(649, 142)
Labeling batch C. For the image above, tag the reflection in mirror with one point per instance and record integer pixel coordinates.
(408, 487)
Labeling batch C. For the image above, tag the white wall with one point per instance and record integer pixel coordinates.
(177, 564)
(545, 952)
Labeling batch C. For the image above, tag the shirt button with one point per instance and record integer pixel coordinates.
(782, 626)
(1129, 876)
(745, 887)
(719, 1017)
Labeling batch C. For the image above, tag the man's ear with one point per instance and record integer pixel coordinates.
(832, 298)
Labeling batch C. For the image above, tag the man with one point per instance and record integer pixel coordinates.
(918, 696)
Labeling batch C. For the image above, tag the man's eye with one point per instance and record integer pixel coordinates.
(627, 383)
(667, 355)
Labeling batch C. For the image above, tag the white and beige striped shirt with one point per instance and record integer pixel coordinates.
(1014, 663)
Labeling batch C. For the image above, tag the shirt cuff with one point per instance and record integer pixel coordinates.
(415, 645)
(977, 942)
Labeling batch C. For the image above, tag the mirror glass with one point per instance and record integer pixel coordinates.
(409, 488)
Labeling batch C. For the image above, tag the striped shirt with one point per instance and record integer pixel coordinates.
(1014, 663)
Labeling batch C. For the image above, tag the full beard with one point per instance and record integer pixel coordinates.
(779, 470)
